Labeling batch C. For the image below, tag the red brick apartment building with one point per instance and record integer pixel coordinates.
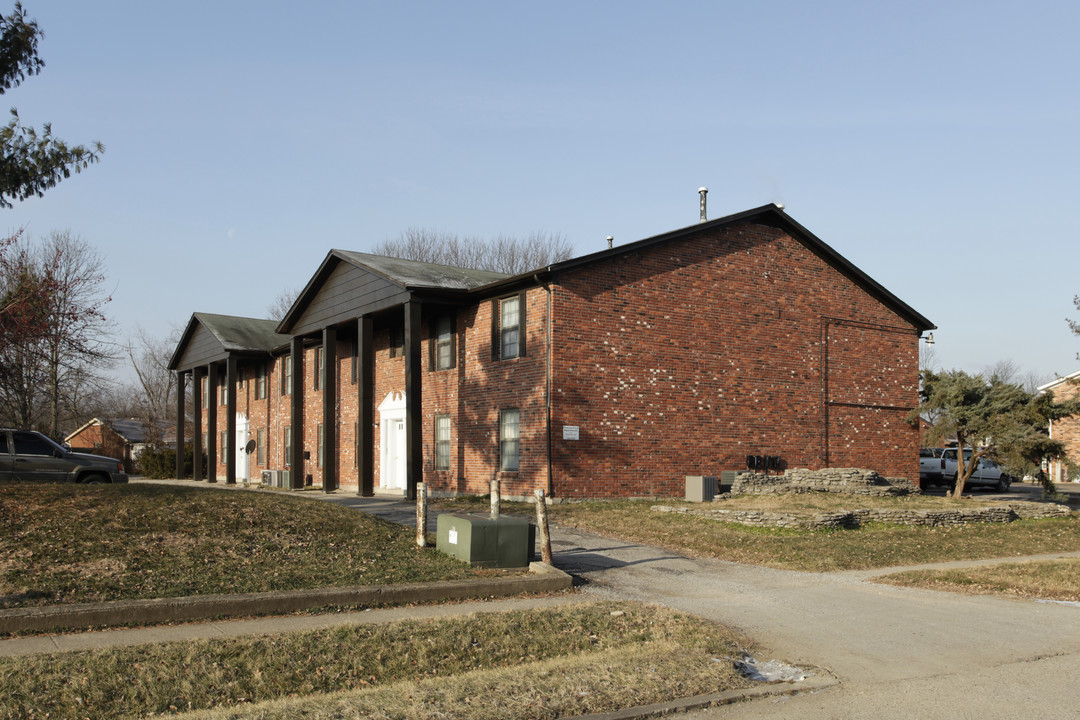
(615, 374)
(1067, 430)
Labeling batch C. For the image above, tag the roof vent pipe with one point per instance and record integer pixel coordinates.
(703, 191)
(609, 241)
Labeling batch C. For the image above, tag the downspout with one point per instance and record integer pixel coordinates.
(547, 384)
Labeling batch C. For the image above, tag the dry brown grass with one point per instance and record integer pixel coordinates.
(1046, 579)
(872, 546)
(595, 683)
(68, 543)
(573, 659)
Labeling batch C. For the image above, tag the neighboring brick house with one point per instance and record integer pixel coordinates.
(615, 374)
(120, 438)
(1067, 430)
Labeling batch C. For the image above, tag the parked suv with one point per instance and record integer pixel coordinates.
(987, 474)
(30, 456)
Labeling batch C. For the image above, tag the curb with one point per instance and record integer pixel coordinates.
(541, 578)
(701, 702)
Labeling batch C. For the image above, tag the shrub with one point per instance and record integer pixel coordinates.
(161, 462)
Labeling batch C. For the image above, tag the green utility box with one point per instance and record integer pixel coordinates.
(503, 542)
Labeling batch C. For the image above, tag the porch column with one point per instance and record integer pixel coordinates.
(414, 407)
(365, 416)
(197, 376)
(180, 393)
(330, 422)
(212, 382)
(297, 461)
(230, 448)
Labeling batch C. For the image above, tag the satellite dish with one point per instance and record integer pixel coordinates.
(250, 447)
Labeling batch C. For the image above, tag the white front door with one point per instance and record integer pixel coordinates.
(395, 461)
(241, 447)
(393, 473)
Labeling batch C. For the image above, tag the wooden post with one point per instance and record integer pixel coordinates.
(180, 424)
(496, 498)
(365, 384)
(542, 527)
(421, 514)
(414, 406)
(329, 415)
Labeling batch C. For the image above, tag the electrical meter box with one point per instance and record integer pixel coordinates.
(503, 542)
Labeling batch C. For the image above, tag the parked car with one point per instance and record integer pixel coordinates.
(931, 466)
(987, 474)
(30, 456)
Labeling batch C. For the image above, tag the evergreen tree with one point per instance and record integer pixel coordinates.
(993, 419)
(30, 162)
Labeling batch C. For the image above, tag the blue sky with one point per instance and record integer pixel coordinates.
(933, 144)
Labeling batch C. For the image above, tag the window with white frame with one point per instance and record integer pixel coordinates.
(444, 342)
(286, 445)
(286, 375)
(260, 382)
(508, 328)
(322, 437)
(442, 442)
(509, 439)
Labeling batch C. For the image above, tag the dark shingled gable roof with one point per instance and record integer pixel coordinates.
(415, 274)
(235, 334)
(241, 334)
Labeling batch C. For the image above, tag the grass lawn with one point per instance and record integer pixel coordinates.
(67, 543)
(872, 546)
(1046, 579)
(577, 659)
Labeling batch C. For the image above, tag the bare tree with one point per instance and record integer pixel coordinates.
(504, 253)
(24, 322)
(928, 359)
(153, 399)
(53, 298)
(285, 299)
(1074, 325)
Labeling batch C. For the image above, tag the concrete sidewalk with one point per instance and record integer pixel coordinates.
(64, 642)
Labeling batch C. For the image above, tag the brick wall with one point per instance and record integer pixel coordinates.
(1068, 431)
(472, 393)
(684, 358)
(679, 359)
(101, 440)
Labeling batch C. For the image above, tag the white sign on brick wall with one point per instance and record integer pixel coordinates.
(571, 432)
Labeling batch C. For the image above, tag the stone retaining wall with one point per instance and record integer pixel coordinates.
(855, 518)
(851, 481)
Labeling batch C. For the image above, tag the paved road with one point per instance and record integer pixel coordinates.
(896, 652)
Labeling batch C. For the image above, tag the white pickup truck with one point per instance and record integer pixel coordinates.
(931, 466)
(987, 474)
